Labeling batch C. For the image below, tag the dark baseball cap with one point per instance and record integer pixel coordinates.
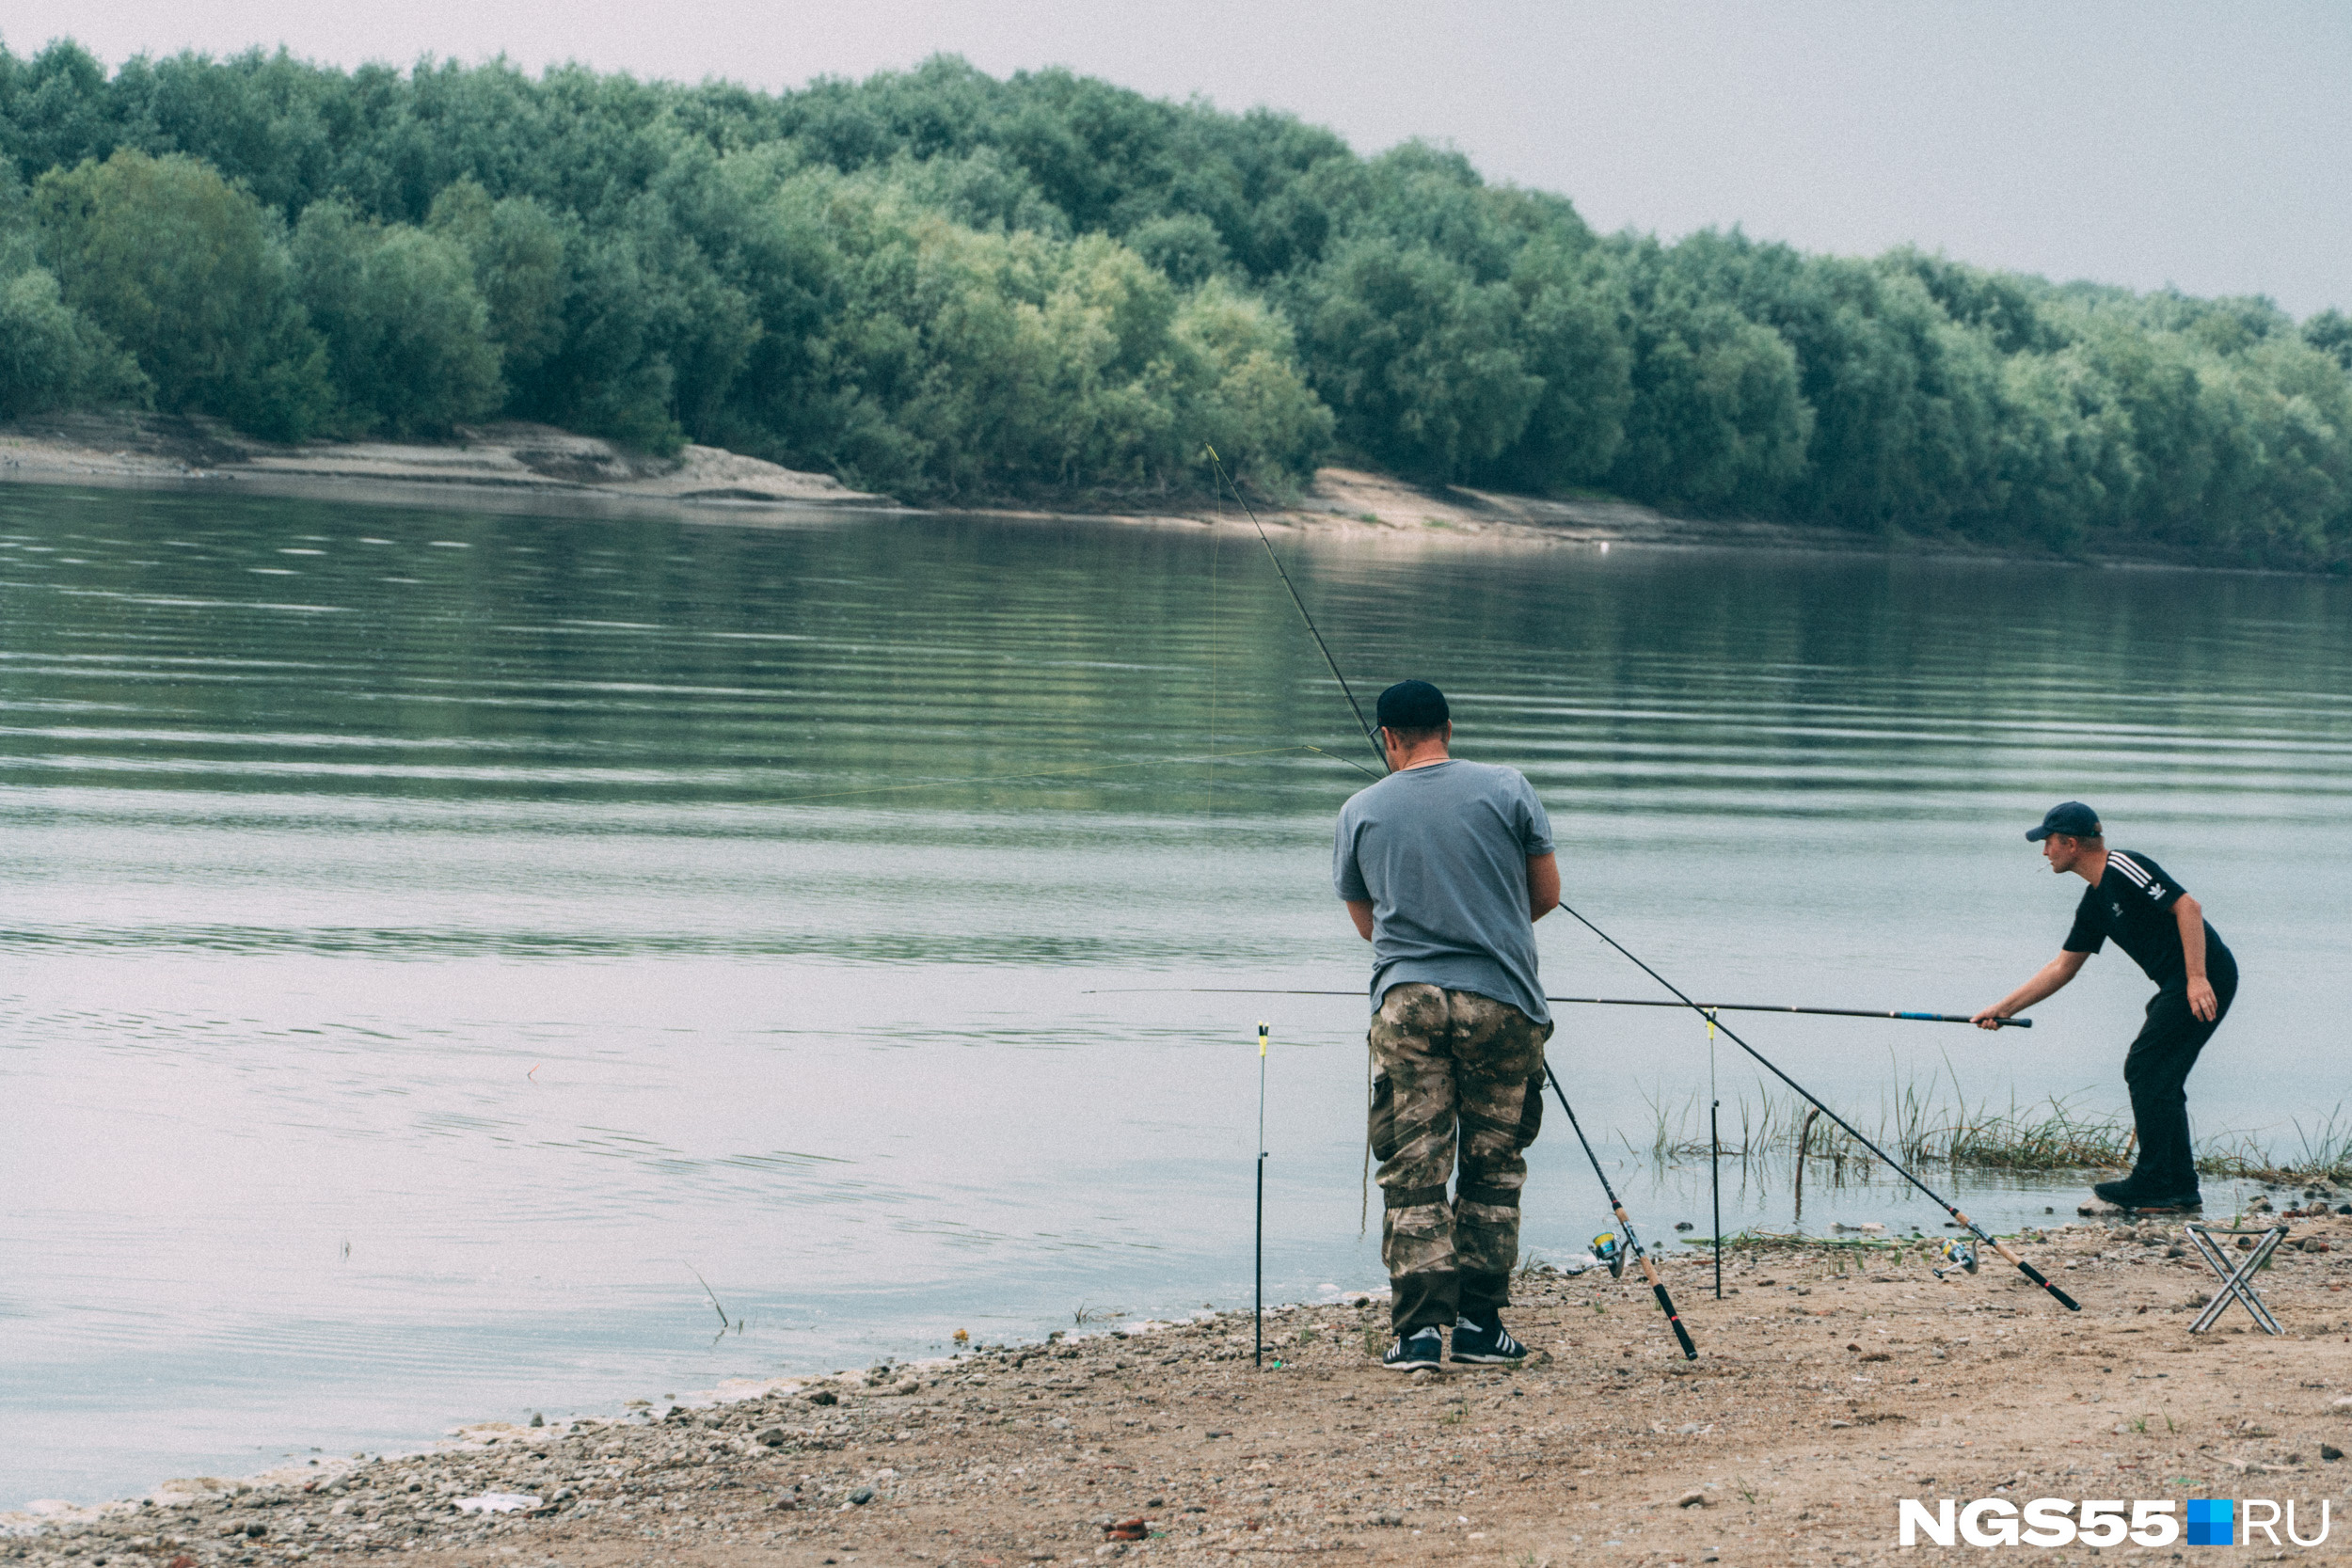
(1413, 706)
(2071, 817)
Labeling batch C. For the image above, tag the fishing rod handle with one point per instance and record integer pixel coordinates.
(1665, 1304)
(2010, 1255)
(2039, 1278)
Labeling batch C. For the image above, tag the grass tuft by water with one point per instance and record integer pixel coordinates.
(1935, 1123)
(1917, 1122)
(2322, 1152)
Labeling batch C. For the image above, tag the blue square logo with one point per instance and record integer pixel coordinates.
(2209, 1522)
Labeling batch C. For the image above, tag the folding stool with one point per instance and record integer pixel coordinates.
(2236, 1280)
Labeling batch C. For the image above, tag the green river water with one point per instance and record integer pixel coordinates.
(437, 941)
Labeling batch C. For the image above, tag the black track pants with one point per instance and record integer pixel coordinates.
(2156, 1071)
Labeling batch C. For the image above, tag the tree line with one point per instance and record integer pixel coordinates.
(951, 287)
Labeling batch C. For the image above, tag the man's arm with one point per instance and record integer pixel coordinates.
(1360, 910)
(2191, 915)
(1543, 888)
(2050, 978)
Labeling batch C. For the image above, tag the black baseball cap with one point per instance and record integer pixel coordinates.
(1413, 706)
(2071, 817)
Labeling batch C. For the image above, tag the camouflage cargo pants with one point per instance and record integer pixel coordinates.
(1457, 1079)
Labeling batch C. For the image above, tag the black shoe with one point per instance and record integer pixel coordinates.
(2130, 1193)
(1487, 1346)
(1423, 1348)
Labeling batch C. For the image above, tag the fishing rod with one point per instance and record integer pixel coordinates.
(1603, 1002)
(1372, 731)
(1999, 1246)
(1658, 1286)
(1640, 1255)
(1704, 1009)
(1258, 1307)
(1889, 1160)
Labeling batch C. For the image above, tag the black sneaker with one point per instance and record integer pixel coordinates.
(2127, 1193)
(1488, 1346)
(1412, 1353)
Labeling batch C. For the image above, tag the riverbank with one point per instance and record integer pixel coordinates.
(1833, 1380)
(519, 466)
(505, 464)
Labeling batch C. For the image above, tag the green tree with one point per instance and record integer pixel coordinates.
(189, 273)
(407, 334)
(55, 109)
(1420, 361)
(517, 250)
(1573, 333)
(2330, 332)
(52, 357)
(1248, 397)
(954, 285)
(1716, 422)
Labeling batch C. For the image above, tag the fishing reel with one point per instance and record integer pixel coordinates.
(1605, 1247)
(1958, 1257)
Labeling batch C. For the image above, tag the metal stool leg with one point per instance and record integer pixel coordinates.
(2236, 1280)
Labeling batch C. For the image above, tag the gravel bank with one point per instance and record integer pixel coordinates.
(1829, 1383)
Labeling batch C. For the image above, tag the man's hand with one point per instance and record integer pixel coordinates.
(2191, 915)
(2047, 980)
(2200, 999)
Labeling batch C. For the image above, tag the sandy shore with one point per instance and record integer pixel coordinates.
(1829, 1383)
(507, 463)
(516, 467)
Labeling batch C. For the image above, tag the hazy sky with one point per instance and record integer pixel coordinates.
(2207, 146)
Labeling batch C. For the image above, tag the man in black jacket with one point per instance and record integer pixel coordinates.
(2154, 919)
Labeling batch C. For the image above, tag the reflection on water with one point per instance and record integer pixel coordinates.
(437, 941)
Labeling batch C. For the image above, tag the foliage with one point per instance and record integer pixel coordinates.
(51, 355)
(192, 276)
(951, 285)
(407, 334)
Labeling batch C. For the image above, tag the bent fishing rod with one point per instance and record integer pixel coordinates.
(2007, 1254)
(1607, 1002)
(1372, 731)
(1889, 1160)
(1641, 1254)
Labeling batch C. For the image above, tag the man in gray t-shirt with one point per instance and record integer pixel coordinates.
(1445, 867)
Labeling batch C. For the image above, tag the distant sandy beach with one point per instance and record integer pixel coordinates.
(516, 467)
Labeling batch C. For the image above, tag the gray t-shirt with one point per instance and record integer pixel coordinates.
(1441, 852)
